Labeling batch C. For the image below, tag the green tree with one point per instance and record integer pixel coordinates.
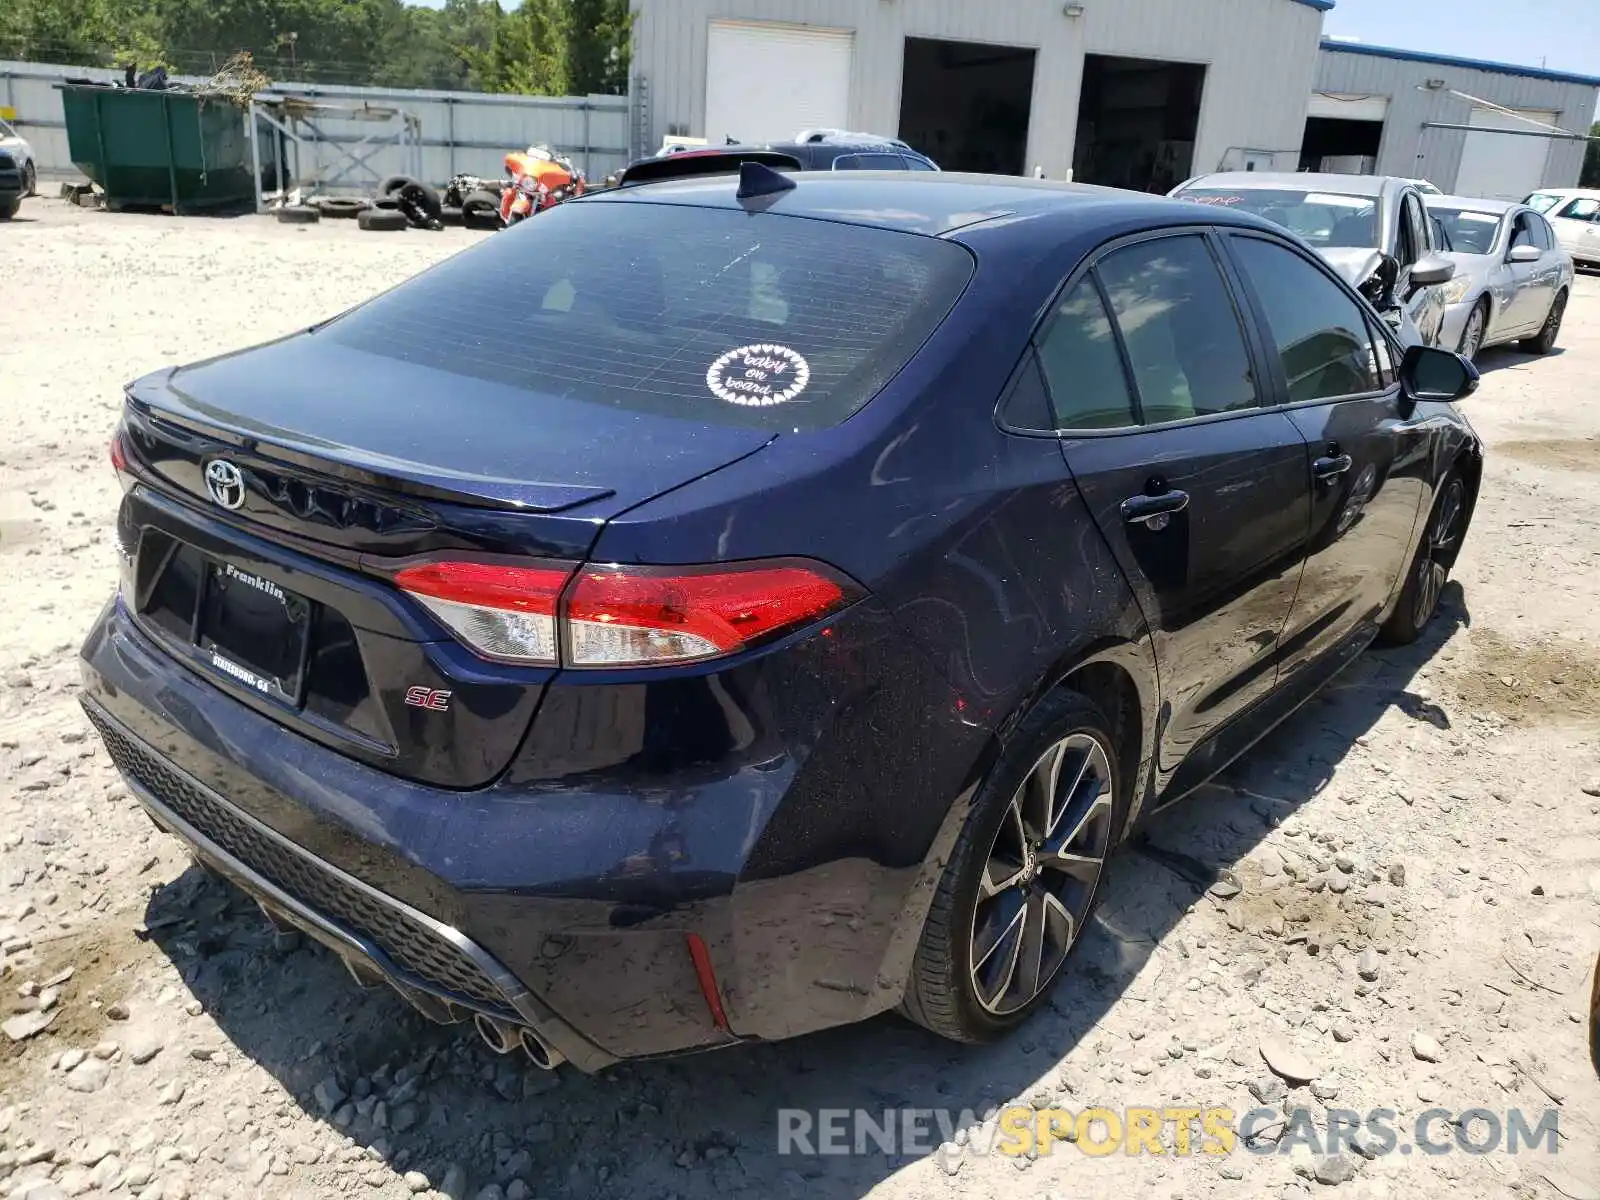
(599, 35)
(528, 53)
(1591, 160)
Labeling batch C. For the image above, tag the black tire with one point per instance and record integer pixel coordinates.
(419, 202)
(943, 994)
(480, 209)
(387, 204)
(450, 215)
(1480, 315)
(9, 206)
(1430, 565)
(1545, 340)
(392, 184)
(30, 180)
(298, 214)
(342, 207)
(383, 220)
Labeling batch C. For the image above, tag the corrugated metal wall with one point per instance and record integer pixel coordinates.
(1411, 150)
(461, 131)
(1261, 57)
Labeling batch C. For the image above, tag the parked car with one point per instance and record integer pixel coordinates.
(1574, 214)
(1372, 229)
(774, 620)
(1512, 277)
(16, 147)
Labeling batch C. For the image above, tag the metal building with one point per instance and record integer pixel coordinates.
(1138, 95)
(1469, 127)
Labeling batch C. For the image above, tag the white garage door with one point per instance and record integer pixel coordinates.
(1341, 107)
(1498, 166)
(767, 82)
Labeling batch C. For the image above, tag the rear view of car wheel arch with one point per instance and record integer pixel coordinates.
(1025, 875)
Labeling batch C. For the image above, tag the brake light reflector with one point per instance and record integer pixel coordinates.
(502, 612)
(618, 616)
(119, 454)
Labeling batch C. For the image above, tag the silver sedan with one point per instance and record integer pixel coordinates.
(1512, 276)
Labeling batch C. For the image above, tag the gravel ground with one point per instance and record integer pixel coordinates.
(1417, 857)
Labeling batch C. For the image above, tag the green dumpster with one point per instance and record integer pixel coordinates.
(169, 149)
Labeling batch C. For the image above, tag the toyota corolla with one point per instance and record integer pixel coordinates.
(777, 617)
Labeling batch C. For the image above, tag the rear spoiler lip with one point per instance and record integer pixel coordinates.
(694, 163)
(346, 464)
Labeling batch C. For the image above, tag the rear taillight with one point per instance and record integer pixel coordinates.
(637, 616)
(617, 616)
(502, 612)
(118, 453)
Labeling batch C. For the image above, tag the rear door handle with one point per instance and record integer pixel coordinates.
(1331, 466)
(1153, 512)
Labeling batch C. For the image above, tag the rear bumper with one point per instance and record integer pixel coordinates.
(561, 898)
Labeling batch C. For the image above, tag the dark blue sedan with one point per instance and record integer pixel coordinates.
(728, 608)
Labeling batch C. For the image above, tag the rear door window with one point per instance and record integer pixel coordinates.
(1581, 209)
(1082, 365)
(713, 315)
(1177, 319)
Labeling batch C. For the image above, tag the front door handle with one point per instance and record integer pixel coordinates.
(1331, 466)
(1154, 512)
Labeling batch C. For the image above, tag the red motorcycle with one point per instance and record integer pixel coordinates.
(540, 179)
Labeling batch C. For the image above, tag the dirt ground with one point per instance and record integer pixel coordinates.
(1418, 855)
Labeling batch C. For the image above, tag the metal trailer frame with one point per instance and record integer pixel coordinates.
(292, 123)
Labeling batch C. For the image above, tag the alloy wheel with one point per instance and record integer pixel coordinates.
(1433, 564)
(1041, 874)
(1552, 323)
(1472, 336)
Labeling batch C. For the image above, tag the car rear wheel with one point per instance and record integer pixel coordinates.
(1023, 879)
(1430, 569)
(1477, 326)
(1545, 340)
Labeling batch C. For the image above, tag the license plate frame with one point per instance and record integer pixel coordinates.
(252, 631)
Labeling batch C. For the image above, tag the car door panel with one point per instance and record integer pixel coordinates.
(1530, 286)
(1215, 578)
(1200, 494)
(1366, 466)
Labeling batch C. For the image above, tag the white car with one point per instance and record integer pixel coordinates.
(16, 146)
(1574, 213)
(1512, 277)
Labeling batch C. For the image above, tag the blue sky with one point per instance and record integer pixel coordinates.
(1561, 34)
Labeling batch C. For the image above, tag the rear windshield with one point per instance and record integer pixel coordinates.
(713, 315)
(1469, 232)
(1324, 219)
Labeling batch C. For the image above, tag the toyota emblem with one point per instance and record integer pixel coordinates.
(225, 482)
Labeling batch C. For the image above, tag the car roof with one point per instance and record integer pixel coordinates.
(1474, 203)
(1310, 181)
(933, 204)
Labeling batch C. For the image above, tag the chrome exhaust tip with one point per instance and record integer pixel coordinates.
(497, 1035)
(540, 1053)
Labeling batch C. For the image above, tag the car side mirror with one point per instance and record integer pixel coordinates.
(1429, 373)
(1524, 254)
(1431, 270)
